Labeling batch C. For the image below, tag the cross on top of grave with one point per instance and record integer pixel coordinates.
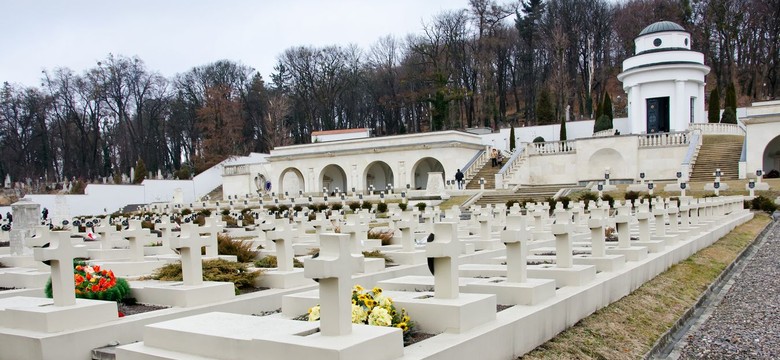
(282, 239)
(514, 237)
(444, 250)
(60, 254)
(189, 244)
(333, 268)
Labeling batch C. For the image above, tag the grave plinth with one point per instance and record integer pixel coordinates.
(192, 290)
(448, 309)
(598, 256)
(64, 311)
(231, 336)
(285, 275)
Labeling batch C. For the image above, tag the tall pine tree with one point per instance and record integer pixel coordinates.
(563, 129)
(713, 109)
(512, 139)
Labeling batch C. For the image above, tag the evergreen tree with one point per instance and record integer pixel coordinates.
(512, 139)
(729, 116)
(713, 110)
(140, 171)
(607, 106)
(602, 123)
(731, 97)
(544, 109)
(563, 129)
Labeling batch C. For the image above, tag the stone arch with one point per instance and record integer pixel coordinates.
(332, 177)
(607, 157)
(379, 174)
(770, 159)
(291, 180)
(421, 169)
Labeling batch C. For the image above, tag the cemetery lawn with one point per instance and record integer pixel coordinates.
(629, 327)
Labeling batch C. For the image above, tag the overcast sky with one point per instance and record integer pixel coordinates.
(172, 36)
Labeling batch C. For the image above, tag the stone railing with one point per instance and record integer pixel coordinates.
(717, 129)
(235, 170)
(507, 171)
(552, 147)
(664, 139)
(603, 133)
(475, 164)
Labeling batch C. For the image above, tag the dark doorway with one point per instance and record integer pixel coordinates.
(658, 115)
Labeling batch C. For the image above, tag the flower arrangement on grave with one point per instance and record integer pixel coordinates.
(94, 283)
(372, 308)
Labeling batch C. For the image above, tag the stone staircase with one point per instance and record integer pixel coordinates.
(718, 151)
(525, 193)
(488, 173)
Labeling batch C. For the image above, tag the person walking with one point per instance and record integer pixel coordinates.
(459, 179)
(493, 157)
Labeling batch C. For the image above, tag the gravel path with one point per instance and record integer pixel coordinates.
(745, 324)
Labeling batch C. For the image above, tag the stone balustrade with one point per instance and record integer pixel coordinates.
(664, 139)
(717, 129)
(553, 147)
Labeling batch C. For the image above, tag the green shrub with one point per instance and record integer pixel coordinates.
(729, 116)
(225, 212)
(367, 205)
(565, 200)
(381, 207)
(249, 218)
(764, 204)
(354, 206)
(241, 249)
(229, 220)
(272, 208)
(204, 212)
(608, 199)
(421, 206)
(283, 208)
(386, 235)
(602, 123)
(186, 211)
(270, 262)
(297, 208)
(632, 195)
(538, 139)
(183, 173)
(588, 197)
(509, 203)
(334, 207)
(402, 206)
(376, 254)
(213, 270)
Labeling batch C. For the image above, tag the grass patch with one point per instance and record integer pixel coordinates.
(629, 327)
(213, 270)
(453, 201)
(271, 262)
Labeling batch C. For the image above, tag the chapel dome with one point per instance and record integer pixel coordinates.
(661, 26)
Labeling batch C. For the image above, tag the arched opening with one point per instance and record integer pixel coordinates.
(604, 158)
(291, 181)
(421, 170)
(771, 158)
(378, 174)
(332, 177)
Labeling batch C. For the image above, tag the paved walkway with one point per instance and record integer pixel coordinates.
(745, 322)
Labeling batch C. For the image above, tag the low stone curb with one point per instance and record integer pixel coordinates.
(665, 344)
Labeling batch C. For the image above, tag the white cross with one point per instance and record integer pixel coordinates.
(189, 244)
(515, 237)
(61, 253)
(333, 268)
(282, 239)
(136, 236)
(445, 250)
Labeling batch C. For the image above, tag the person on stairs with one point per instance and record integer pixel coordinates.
(493, 157)
(459, 179)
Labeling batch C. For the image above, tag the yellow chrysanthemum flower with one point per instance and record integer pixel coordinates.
(376, 290)
(314, 313)
(358, 315)
(380, 317)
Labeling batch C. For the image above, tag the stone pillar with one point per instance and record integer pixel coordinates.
(26, 216)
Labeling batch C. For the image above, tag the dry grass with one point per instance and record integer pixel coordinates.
(453, 201)
(628, 328)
